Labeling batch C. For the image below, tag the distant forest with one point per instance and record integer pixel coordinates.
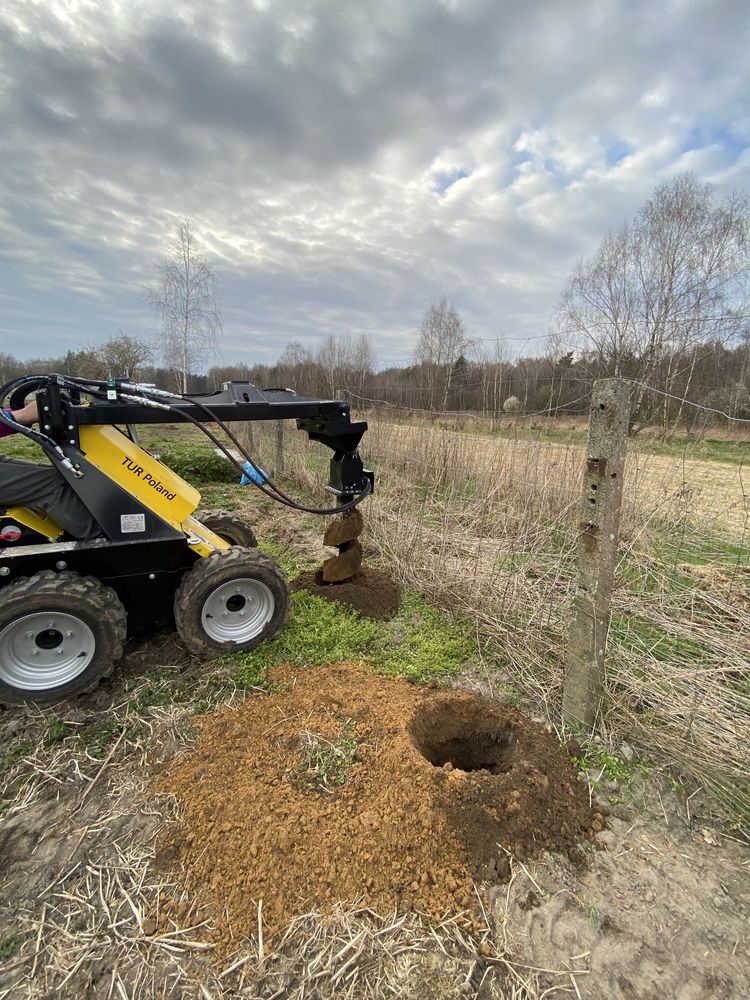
(477, 381)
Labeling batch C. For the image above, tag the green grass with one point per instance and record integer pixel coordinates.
(17, 750)
(222, 496)
(198, 464)
(702, 550)
(325, 763)
(57, 730)
(612, 766)
(291, 562)
(641, 637)
(18, 446)
(703, 450)
(318, 632)
(158, 686)
(420, 643)
(698, 449)
(9, 946)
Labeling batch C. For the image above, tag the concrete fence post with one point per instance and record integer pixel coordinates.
(597, 550)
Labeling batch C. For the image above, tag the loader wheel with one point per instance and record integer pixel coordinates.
(230, 602)
(229, 527)
(60, 634)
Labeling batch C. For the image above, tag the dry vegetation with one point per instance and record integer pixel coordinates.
(95, 919)
(487, 526)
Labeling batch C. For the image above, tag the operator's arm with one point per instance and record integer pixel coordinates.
(27, 416)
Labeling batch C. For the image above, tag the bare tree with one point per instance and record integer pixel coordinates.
(123, 355)
(492, 362)
(345, 362)
(297, 369)
(675, 278)
(442, 341)
(185, 296)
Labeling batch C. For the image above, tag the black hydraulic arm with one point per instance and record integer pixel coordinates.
(122, 402)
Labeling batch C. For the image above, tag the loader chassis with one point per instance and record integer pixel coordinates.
(157, 563)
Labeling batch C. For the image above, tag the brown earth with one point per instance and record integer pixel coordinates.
(443, 785)
(371, 592)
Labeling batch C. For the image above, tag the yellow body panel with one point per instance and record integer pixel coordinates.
(150, 482)
(140, 474)
(37, 520)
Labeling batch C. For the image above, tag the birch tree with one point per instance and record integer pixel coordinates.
(674, 278)
(185, 297)
(442, 341)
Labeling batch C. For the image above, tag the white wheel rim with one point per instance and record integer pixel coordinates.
(45, 650)
(237, 611)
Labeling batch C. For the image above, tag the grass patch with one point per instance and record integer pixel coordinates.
(642, 638)
(696, 449)
(57, 730)
(222, 496)
(291, 562)
(18, 446)
(158, 686)
(318, 632)
(9, 946)
(15, 752)
(702, 550)
(325, 763)
(198, 464)
(420, 643)
(608, 764)
(98, 736)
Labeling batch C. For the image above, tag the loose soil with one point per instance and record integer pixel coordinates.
(443, 786)
(371, 592)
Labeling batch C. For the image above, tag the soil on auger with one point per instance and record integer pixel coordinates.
(371, 592)
(343, 785)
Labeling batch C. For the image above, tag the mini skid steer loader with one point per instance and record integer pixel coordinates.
(66, 606)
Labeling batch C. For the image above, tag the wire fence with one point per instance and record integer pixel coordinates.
(488, 524)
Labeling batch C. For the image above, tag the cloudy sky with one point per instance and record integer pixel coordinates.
(345, 162)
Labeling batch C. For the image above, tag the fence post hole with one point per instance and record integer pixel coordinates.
(597, 550)
(279, 464)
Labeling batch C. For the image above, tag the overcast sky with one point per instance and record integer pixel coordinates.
(345, 163)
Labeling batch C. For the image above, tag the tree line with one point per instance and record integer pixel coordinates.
(663, 302)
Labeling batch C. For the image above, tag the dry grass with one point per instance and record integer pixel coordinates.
(487, 527)
(102, 923)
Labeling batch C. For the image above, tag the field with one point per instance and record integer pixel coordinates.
(99, 825)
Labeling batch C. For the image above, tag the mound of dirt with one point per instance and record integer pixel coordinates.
(438, 786)
(371, 592)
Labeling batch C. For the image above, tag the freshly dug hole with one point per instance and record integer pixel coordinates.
(444, 734)
(399, 832)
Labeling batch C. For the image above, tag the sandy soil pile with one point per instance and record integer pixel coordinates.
(371, 592)
(404, 831)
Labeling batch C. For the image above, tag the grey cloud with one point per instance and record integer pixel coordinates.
(303, 140)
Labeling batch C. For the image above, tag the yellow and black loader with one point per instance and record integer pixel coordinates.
(67, 606)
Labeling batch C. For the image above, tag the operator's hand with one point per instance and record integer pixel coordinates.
(28, 415)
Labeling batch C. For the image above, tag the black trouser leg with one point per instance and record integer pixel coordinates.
(23, 484)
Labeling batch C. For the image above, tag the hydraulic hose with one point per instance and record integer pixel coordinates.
(96, 388)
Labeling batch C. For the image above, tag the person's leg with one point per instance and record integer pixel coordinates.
(23, 484)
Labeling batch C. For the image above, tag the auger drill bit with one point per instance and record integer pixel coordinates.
(343, 534)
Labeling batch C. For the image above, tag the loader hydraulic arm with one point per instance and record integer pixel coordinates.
(124, 403)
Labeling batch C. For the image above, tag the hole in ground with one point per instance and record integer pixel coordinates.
(462, 735)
